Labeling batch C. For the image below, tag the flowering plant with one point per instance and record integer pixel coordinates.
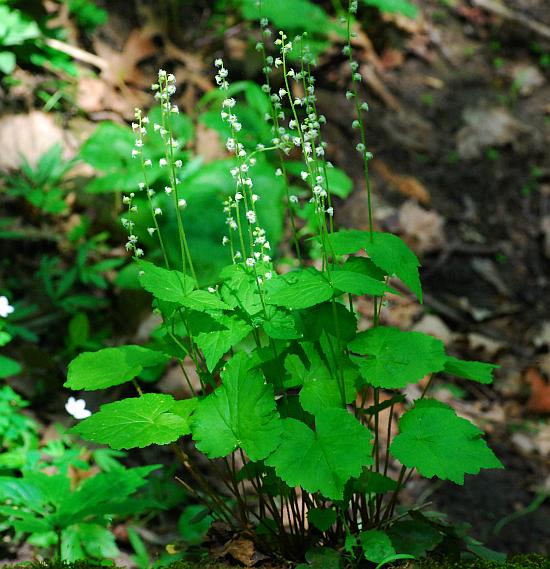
(289, 409)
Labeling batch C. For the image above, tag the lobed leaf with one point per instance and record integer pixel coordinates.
(110, 366)
(476, 371)
(387, 251)
(240, 413)
(165, 284)
(138, 422)
(435, 441)
(397, 358)
(325, 459)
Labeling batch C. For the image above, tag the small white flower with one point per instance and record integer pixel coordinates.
(135, 153)
(148, 162)
(5, 308)
(250, 262)
(162, 162)
(278, 172)
(225, 240)
(293, 199)
(77, 408)
(269, 275)
(211, 289)
(238, 197)
(178, 163)
(251, 216)
(157, 211)
(330, 211)
(168, 189)
(182, 203)
(255, 198)
(304, 175)
(151, 230)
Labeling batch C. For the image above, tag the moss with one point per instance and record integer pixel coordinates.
(516, 562)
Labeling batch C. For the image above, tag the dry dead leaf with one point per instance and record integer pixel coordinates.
(392, 58)
(433, 325)
(545, 228)
(406, 185)
(488, 347)
(422, 229)
(242, 550)
(207, 144)
(122, 66)
(484, 128)
(539, 400)
(29, 135)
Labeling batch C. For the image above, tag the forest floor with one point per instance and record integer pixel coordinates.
(460, 129)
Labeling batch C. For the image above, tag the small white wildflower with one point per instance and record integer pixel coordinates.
(157, 211)
(139, 252)
(304, 175)
(178, 163)
(349, 95)
(225, 240)
(266, 258)
(168, 189)
(293, 199)
(211, 289)
(238, 197)
(182, 203)
(330, 211)
(255, 198)
(251, 216)
(238, 255)
(126, 200)
(278, 172)
(269, 275)
(163, 162)
(5, 307)
(250, 262)
(135, 153)
(151, 230)
(364, 106)
(147, 162)
(77, 408)
(218, 62)
(141, 185)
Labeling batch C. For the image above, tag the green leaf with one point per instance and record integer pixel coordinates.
(359, 284)
(476, 371)
(325, 459)
(339, 183)
(318, 394)
(138, 422)
(387, 251)
(376, 545)
(397, 358)
(394, 7)
(281, 324)
(218, 338)
(7, 62)
(299, 289)
(98, 542)
(374, 483)
(8, 367)
(333, 319)
(240, 290)
(164, 284)
(203, 300)
(321, 518)
(414, 537)
(435, 441)
(241, 412)
(292, 15)
(110, 366)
